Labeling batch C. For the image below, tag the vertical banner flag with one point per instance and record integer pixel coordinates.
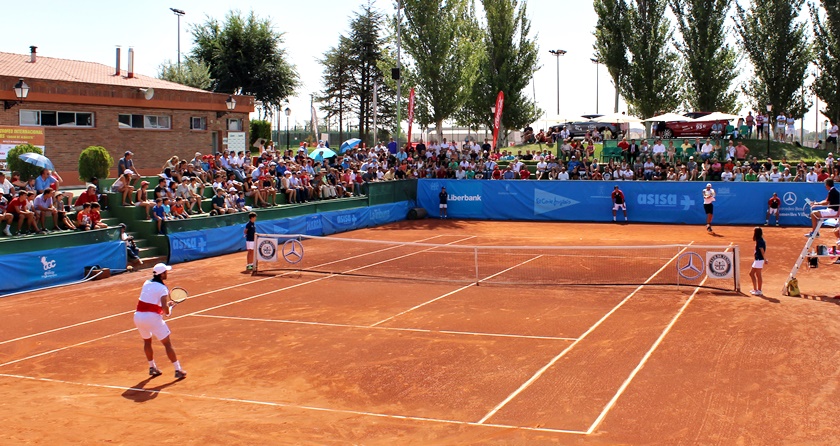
(410, 112)
(500, 102)
(375, 92)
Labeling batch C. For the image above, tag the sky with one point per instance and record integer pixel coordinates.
(89, 30)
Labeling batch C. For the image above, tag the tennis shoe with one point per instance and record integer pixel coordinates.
(180, 374)
(811, 234)
(153, 371)
(7, 232)
(758, 293)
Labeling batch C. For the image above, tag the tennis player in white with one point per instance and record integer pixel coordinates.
(709, 205)
(153, 304)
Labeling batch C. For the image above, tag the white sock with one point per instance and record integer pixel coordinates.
(613, 218)
(152, 363)
(177, 365)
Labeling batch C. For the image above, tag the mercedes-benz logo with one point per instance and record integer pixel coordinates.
(292, 251)
(690, 265)
(789, 198)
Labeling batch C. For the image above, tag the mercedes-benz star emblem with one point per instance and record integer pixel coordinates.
(292, 251)
(789, 198)
(690, 265)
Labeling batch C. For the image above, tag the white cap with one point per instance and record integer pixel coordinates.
(708, 184)
(161, 268)
(128, 171)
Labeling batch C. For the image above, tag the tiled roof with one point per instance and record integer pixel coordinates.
(48, 68)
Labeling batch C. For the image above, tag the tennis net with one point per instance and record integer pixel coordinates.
(708, 266)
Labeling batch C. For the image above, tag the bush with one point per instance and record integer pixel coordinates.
(95, 161)
(17, 165)
(260, 129)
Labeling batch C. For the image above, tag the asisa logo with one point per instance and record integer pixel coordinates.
(665, 200)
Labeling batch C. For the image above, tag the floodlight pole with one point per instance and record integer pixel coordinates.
(557, 54)
(179, 13)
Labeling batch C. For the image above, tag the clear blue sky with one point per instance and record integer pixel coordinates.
(90, 29)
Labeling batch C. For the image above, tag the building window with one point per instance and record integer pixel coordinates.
(145, 122)
(197, 123)
(234, 125)
(56, 118)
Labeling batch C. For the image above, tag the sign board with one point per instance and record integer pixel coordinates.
(236, 141)
(11, 136)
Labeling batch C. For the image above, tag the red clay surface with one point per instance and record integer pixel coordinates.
(318, 359)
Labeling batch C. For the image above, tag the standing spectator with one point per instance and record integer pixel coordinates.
(780, 127)
(773, 209)
(790, 128)
(832, 137)
(619, 202)
(250, 238)
(759, 125)
(709, 206)
(126, 163)
(758, 262)
(750, 121)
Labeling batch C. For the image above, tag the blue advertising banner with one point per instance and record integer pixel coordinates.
(38, 269)
(662, 202)
(193, 245)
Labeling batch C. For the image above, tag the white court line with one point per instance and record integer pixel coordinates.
(197, 295)
(370, 327)
(453, 292)
(554, 360)
(217, 306)
(293, 406)
(644, 360)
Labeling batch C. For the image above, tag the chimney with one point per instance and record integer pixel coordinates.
(130, 62)
(117, 71)
(32, 53)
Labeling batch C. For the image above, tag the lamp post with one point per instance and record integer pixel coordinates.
(769, 128)
(557, 54)
(597, 83)
(825, 131)
(288, 112)
(179, 13)
(492, 121)
(21, 92)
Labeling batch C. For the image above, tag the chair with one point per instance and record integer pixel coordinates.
(688, 152)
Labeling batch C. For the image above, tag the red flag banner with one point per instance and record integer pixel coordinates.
(500, 103)
(410, 112)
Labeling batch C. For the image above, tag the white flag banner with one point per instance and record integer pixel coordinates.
(267, 250)
(720, 265)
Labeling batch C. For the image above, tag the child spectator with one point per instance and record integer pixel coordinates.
(95, 217)
(159, 215)
(18, 208)
(178, 211)
(167, 208)
(5, 217)
(83, 218)
(250, 237)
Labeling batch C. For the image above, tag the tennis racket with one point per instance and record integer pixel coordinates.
(177, 295)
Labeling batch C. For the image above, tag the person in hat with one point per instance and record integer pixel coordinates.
(619, 202)
(127, 163)
(708, 205)
(152, 305)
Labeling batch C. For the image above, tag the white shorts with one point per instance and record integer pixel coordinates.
(249, 246)
(772, 211)
(443, 206)
(622, 206)
(758, 264)
(827, 213)
(149, 324)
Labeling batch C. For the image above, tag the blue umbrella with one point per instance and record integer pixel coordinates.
(321, 153)
(37, 160)
(349, 144)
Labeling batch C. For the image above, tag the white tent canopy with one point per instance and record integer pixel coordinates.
(717, 116)
(617, 118)
(669, 117)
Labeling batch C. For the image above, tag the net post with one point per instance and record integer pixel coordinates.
(475, 251)
(256, 267)
(737, 258)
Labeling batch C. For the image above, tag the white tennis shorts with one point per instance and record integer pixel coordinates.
(249, 246)
(827, 213)
(443, 206)
(773, 211)
(621, 206)
(758, 264)
(151, 324)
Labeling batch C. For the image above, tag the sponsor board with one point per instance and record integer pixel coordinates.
(720, 265)
(546, 202)
(267, 250)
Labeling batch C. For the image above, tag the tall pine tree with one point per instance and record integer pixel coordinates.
(610, 35)
(710, 64)
(777, 45)
(827, 41)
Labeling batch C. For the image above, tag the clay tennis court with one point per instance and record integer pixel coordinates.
(324, 359)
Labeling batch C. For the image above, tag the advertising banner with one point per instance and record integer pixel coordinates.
(660, 202)
(11, 136)
(38, 269)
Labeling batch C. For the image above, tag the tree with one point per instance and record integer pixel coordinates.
(507, 62)
(192, 73)
(337, 95)
(245, 57)
(366, 44)
(16, 164)
(437, 37)
(779, 50)
(827, 38)
(610, 45)
(710, 63)
(94, 161)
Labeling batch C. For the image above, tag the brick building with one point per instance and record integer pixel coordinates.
(80, 104)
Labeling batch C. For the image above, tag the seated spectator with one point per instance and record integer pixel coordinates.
(230, 199)
(524, 173)
(159, 215)
(19, 208)
(251, 190)
(123, 186)
(189, 199)
(88, 196)
(131, 249)
(96, 217)
(178, 211)
(5, 217)
(219, 204)
(45, 205)
(142, 200)
(6, 186)
(83, 218)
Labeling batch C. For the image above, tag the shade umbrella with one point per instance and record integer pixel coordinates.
(669, 117)
(349, 144)
(37, 160)
(321, 153)
(562, 119)
(617, 118)
(717, 116)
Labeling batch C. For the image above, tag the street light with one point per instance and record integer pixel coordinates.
(230, 103)
(288, 112)
(179, 13)
(21, 92)
(557, 54)
(769, 128)
(597, 83)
